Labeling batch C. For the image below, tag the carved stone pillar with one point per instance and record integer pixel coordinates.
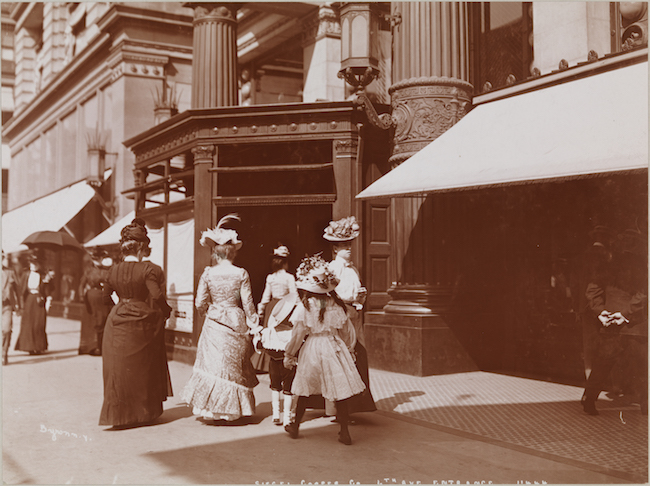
(322, 56)
(204, 156)
(214, 65)
(429, 95)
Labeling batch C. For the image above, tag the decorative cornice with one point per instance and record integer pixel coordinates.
(127, 63)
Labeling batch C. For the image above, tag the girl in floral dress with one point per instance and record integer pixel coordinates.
(325, 365)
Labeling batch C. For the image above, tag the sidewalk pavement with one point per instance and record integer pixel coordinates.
(469, 427)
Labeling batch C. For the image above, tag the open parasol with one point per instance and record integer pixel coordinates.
(53, 240)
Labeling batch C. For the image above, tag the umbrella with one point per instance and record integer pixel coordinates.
(52, 239)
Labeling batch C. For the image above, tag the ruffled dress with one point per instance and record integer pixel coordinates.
(325, 365)
(223, 378)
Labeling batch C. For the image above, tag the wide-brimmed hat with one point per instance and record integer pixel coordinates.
(345, 229)
(314, 275)
(222, 236)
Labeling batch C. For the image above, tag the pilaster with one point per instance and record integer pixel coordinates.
(322, 56)
(204, 160)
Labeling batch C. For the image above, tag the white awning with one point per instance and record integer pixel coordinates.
(581, 128)
(49, 213)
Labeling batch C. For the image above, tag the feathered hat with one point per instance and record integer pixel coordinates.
(345, 229)
(314, 275)
(221, 236)
(281, 251)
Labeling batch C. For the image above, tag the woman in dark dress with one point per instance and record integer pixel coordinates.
(96, 309)
(36, 295)
(136, 376)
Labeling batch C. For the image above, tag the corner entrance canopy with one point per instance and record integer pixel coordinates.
(581, 128)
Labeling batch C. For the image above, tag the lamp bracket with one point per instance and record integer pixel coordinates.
(383, 121)
(394, 19)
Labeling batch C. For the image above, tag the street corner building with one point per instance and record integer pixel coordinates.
(478, 144)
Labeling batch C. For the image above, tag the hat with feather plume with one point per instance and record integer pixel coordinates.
(220, 235)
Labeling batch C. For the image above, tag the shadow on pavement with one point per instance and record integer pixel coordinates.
(41, 358)
(397, 399)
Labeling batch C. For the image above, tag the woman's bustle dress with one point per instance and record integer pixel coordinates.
(223, 378)
(136, 375)
(325, 365)
(278, 285)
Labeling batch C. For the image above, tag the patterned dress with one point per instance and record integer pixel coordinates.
(223, 378)
(325, 365)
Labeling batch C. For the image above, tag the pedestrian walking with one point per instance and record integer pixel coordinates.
(619, 301)
(223, 378)
(322, 346)
(341, 233)
(96, 308)
(275, 337)
(10, 303)
(278, 284)
(37, 298)
(136, 376)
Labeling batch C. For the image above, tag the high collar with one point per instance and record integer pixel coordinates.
(131, 258)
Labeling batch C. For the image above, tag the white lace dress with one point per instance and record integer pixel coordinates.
(325, 365)
(223, 378)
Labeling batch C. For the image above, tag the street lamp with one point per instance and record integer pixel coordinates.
(360, 25)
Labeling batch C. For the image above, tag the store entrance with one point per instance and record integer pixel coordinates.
(262, 228)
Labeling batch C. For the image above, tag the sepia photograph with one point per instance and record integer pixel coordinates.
(275, 243)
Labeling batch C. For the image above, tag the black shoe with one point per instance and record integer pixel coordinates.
(344, 437)
(589, 407)
(292, 429)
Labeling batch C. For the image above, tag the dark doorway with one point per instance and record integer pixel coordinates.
(262, 228)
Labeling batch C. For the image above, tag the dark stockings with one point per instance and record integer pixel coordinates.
(341, 417)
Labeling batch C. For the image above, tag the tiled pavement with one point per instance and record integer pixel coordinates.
(538, 417)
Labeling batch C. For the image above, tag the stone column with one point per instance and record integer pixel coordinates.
(214, 66)
(204, 160)
(322, 56)
(430, 93)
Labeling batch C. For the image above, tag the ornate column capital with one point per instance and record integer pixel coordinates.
(214, 12)
(203, 154)
(423, 109)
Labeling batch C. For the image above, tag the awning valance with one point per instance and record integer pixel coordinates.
(581, 128)
(48, 213)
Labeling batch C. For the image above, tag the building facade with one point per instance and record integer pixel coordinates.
(185, 112)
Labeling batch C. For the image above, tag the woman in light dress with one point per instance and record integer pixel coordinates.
(223, 378)
(325, 364)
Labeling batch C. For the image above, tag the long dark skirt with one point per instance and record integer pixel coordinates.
(93, 319)
(364, 401)
(32, 337)
(136, 376)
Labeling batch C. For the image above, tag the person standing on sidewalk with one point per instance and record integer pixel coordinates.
(136, 376)
(95, 306)
(37, 298)
(325, 338)
(10, 303)
(620, 303)
(341, 233)
(223, 378)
